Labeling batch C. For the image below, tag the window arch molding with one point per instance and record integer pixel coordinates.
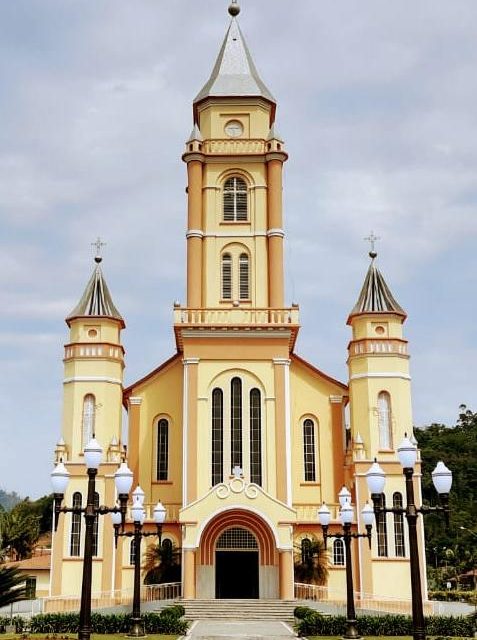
(161, 447)
(309, 436)
(227, 182)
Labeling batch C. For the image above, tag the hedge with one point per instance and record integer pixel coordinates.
(313, 623)
(167, 621)
(454, 596)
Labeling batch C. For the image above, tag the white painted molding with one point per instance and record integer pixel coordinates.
(288, 433)
(235, 234)
(185, 427)
(188, 361)
(194, 233)
(336, 399)
(284, 361)
(278, 233)
(93, 379)
(135, 400)
(268, 332)
(384, 374)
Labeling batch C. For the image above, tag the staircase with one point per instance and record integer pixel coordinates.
(239, 609)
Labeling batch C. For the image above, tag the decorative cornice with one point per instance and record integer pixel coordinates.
(187, 361)
(190, 156)
(236, 234)
(92, 379)
(134, 400)
(336, 399)
(383, 374)
(233, 332)
(272, 233)
(283, 361)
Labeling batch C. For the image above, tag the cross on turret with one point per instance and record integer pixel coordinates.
(98, 245)
(372, 239)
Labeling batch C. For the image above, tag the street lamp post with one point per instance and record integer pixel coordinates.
(59, 479)
(138, 515)
(346, 517)
(442, 479)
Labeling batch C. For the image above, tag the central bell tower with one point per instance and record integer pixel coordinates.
(234, 162)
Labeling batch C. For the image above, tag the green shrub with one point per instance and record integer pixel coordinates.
(454, 596)
(389, 625)
(301, 612)
(167, 621)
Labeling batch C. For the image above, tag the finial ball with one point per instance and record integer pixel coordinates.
(98, 259)
(372, 254)
(234, 9)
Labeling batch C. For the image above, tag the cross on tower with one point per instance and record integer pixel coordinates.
(99, 245)
(372, 239)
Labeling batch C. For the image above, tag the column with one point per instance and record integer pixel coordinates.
(189, 574)
(194, 234)
(134, 436)
(283, 430)
(275, 232)
(189, 422)
(286, 574)
(338, 437)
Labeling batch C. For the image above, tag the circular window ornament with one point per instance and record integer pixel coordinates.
(234, 128)
(380, 330)
(92, 333)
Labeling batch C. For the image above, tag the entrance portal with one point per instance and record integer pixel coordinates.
(236, 565)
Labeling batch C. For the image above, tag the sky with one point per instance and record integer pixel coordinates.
(377, 107)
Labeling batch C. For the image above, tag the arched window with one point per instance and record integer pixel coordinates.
(75, 536)
(217, 436)
(162, 449)
(382, 530)
(309, 450)
(338, 553)
(227, 276)
(96, 525)
(88, 418)
(398, 527)
(384, 420)
(305, 550)
(236, 423)
(244, 288)
(255, 437)
(132, 552)
(235, 200)
(167, 545)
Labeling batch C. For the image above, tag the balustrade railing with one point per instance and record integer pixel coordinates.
(227, 146)
(236, 316)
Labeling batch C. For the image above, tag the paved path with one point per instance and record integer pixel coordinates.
(249, 630)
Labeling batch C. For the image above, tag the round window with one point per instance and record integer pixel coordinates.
(234, 129)
(92, 333)
(380, 330)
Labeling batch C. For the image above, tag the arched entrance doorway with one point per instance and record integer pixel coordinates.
(236, 564)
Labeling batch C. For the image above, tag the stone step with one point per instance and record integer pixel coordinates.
(239, 609)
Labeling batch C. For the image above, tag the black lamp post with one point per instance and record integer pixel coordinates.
(138, 515)
(346, 517)
(442, 479)
(59, 479)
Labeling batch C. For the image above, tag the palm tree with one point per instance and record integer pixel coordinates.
(311, 562)
(19, 532)
(12, 585)
(162, 563)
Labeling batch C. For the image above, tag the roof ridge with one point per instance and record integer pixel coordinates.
(375, 295)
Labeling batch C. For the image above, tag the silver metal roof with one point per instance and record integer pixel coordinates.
(375, 296)
(234, 73)
(96, 299)
(195, 134)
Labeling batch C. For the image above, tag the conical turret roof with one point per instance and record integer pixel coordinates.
(375, 296)
(96, 300)
(234, 73)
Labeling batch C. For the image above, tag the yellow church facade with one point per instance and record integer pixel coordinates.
(240, 438)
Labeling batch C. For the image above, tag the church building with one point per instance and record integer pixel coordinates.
(241, 439)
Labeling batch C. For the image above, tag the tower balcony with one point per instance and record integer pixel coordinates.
(236, 321)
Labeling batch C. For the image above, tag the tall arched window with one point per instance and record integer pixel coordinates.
(217, 436)
(398, 527)
(338, 553)
(244, 277)
(236, 423)
(309, 450)
(235, 200)
(382, 530)
(255, 437)
(384, 420)
(305, 550)
(132, 552)
(167, 546)
(96, 525)
(227, 276)
(88, 418)
(75, 536)
(162, 449)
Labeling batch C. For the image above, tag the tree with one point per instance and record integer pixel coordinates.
(12, 585)
(311, 562)
(162, 563)
(19, 532)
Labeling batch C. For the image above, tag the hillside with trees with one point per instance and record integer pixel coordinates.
(453, 552)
